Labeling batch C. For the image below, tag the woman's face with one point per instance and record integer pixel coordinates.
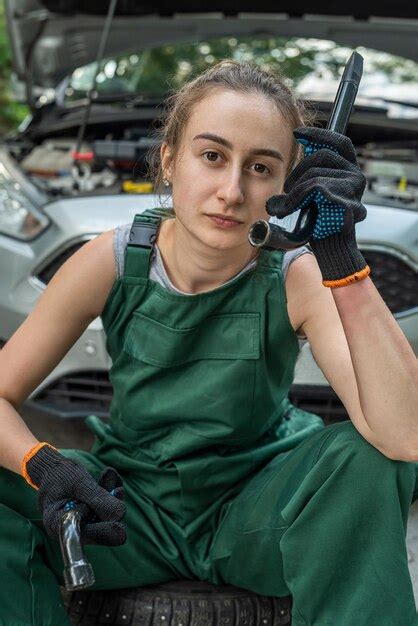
(232, 158)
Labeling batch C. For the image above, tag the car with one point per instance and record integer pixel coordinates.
(105, 114)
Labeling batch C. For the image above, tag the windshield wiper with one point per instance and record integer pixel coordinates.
(403, 103)
(126, 99)
(131, 99)
(377, 103)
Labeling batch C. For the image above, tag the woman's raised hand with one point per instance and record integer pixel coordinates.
(329, 180)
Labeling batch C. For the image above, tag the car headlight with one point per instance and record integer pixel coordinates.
(19, 217)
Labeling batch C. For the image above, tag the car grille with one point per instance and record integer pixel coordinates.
(76, 395)
(396, 281)
(321, 400)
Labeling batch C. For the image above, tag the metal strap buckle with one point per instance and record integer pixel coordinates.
(143, 235)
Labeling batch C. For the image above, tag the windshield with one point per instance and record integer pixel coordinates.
(313, 68)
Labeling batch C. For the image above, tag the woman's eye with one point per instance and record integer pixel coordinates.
(264, 169)
(211, 156)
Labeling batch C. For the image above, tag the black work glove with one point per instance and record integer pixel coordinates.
(60, 480)
(329, 180)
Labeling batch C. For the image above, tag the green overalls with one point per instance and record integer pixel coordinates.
(225, 480)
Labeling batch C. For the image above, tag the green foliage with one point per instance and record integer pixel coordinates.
(156, 71)
(166, 68)
(11, 113)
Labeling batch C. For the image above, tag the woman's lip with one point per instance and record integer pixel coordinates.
(224, 217)
(222, 222)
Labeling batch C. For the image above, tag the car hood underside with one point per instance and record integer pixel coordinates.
(51, 38)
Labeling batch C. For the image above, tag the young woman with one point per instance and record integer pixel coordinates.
(223, 479)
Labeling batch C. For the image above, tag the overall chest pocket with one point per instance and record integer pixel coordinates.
(229, 336)
(200, 379)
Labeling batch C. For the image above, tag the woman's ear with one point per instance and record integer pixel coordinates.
(165, 157)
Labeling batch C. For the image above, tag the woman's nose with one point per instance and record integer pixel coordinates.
(231, 189)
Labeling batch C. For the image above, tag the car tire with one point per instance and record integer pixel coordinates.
(179, 603)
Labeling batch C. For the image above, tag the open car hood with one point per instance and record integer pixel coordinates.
(51, 38)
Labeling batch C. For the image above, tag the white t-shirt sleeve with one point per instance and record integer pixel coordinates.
(291, 256)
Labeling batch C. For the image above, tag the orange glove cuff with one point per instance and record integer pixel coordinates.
(348, 280)
(27, 458)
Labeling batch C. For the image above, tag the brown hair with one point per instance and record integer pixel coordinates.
(236, 76)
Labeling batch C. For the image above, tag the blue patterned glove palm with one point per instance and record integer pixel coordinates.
(328, 180)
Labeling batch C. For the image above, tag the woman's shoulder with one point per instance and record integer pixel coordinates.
(302, 277)
(96, 262)
(291, 255)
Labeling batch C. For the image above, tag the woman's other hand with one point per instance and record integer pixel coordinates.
(60, 480)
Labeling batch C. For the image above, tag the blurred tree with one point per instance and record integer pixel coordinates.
(154, 72)
(157, 70)
(11, 113)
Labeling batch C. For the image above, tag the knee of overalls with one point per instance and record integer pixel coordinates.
(16, 494)
(346, 451)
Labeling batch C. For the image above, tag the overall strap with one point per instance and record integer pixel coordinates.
(141, 241)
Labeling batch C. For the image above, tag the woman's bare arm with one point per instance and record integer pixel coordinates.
(363, 354)
(75, 296)
(385, 366)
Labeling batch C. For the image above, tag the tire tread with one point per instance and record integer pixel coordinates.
(183, 603)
